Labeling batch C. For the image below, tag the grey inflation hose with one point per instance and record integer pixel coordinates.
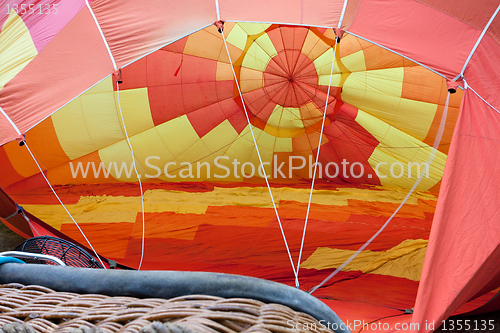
(168, 284)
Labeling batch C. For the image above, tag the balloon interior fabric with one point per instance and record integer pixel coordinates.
(157, 159)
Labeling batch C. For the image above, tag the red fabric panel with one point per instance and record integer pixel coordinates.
(206, 119)
(470, 12)
(464, 251)
(483, 71)
(74, 60)
(156, 22)
(418, 31)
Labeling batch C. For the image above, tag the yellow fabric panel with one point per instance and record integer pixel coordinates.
(212, 145)
(314, 45)
(135, 109)
(323, 65)
(404, 260)
(117, 158)
(224, 72)
(109, 209)
(89, 122)
(355, 62)
(324, 79)
(256, 58)
(54, 215)
(259, 197)
(378, 92)
(267, 45)
(194, 153)
(396, 146)
(16, 47)
(237, 37)
(310, 114)
(114, 209)
(203, 37)
(177, 134)
(250, 79)
(285, 118)
(254, 28)
(219, 137)
(415, 117)
(284, 132)
(387, 82)
(283, 145)
(243, 150)
(149, 143)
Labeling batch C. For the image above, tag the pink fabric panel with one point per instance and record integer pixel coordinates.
(309, 12)
(43, 27)
(418, 31)
(74, 61)
(463, 251)
(136, 28)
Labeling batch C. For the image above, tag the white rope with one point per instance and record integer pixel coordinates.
(479, 40)
(260, 159)
(469, 87)
(217, 9)
(62, 204)
(315, 166)
(136, 173)
(124, 128)
(342, 14)
(10, 121)
(102, 34)
(437, 141)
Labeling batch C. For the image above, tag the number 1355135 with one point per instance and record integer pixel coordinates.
(40, 9)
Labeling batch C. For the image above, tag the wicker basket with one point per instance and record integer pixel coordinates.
(45, 310)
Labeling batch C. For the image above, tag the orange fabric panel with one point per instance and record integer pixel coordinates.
(21, 159)
(9, 173)
(379, 58)
(43, 139)
(449, 127)
(77, 51)
(115, 247)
